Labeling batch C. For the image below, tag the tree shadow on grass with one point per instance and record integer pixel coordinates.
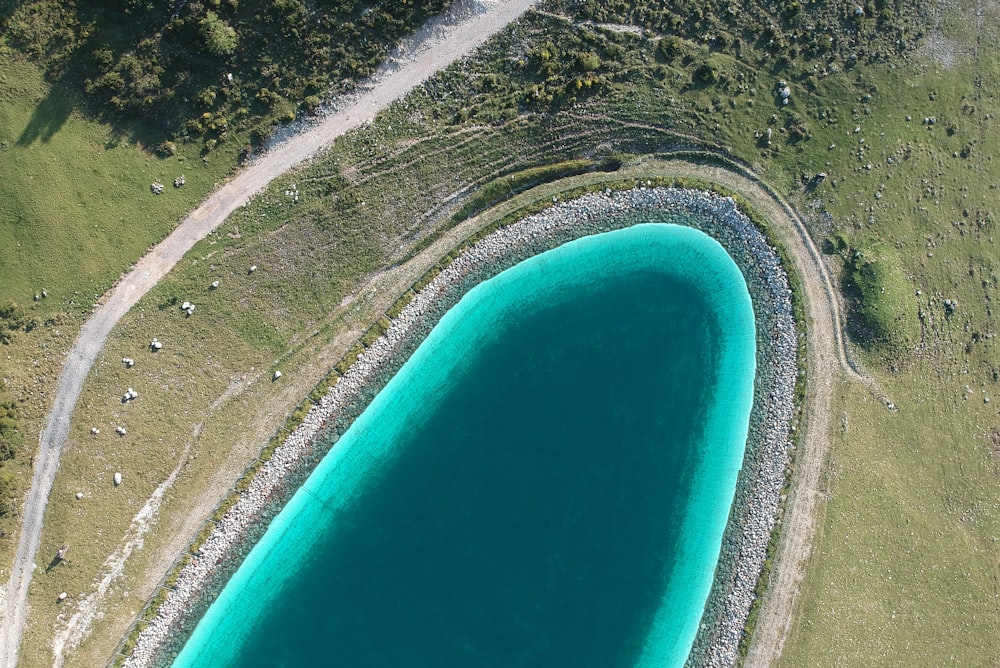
(49, 116)
(65, 97)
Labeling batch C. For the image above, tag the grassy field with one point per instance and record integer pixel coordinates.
(75, 193)
(76, 211)
(905, 566)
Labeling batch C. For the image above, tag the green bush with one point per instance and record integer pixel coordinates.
(882, 315)
(220, 37)
(171, 53)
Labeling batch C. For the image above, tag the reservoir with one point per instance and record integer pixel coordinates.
(545, 482)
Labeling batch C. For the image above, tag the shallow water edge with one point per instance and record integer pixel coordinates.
(760, 481)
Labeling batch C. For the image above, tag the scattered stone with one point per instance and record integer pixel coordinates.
(118, 478)
(214, 285)
(129, 395)
(784, 92)
(79, 495)
(95, 431)
(276, 376)
(62, 597)
(121, 431)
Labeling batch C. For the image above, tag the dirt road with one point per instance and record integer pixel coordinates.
(443, 41)
(827, 360)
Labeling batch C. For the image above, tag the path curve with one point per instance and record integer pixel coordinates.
(827, 357)
(441, 42)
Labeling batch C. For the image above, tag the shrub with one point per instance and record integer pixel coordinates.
(882, 317)
(167, 148)
(705, 74)
(220, 37)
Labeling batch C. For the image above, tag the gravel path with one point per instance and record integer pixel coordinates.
(827, 358)
(469, 24)
(757, 492)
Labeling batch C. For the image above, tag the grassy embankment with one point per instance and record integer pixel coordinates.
(906, 564)
(911, 491)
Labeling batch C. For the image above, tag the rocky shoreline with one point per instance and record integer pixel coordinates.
(760, 483)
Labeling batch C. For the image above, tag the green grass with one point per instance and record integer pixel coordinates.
(76, 212)
(76, 200)
(207, 402)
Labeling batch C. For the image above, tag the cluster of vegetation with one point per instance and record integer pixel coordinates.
(782, 35)
(699, 46)
(10, 443)
(882, 314)
(194, 69)
(13, 319)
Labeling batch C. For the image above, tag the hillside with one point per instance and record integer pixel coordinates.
(894, 105)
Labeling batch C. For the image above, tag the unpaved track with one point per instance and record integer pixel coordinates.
(828, 362)
(438, 45)
(827, 359)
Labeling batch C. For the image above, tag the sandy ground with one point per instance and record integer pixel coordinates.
(439, 44)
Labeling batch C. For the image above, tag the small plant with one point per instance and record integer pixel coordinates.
(220, 37)
(705, 74)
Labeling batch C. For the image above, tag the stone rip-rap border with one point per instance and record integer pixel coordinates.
(760, 482)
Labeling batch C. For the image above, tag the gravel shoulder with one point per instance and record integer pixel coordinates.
(440, 43)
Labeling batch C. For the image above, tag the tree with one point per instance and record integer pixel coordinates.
(220, 37)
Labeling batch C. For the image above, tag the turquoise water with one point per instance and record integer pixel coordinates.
(544, 483)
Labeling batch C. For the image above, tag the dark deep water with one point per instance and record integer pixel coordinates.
(545, 482)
